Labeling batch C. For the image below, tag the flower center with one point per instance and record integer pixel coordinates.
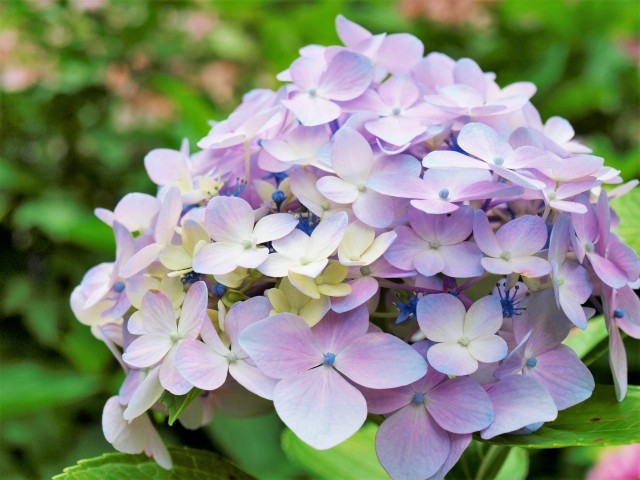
(498, 161)
(506, 256)
(532, 362)
(313, 92)
(365, 271)
(553, 196)
(589, 247)
(418, 398)
(329, 358)
(396, 111)
(362, 187)
(118, 287)
(464, 341)
(434, 245)
(444, 193)
(618, 313)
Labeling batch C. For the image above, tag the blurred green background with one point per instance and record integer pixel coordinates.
(87, 87)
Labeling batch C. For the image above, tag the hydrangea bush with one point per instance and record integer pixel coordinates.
(389, 234)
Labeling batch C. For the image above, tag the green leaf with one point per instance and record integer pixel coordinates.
(627, 208)
(584, 341)
(176, 404)
(27, 387)
(187, 463)
(253, 443)
(598, 421)
(354, 459)
(516, 465)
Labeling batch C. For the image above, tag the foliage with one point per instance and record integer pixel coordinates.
(86, 91)
(188, 463)
(600, 420)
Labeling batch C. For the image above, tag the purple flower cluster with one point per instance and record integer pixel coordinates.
(332, 249)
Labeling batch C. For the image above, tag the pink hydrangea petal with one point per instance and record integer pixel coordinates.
(145, 396)
(399, 186)
(320, 407)
(200, 365)
(629, 302)
(497, 266)
(564, 376)
(410, 444)
(383, 401)
(125, 437)
(245, 313)
(252, 378)
(170, 377)
(429, 262)
(488, 348)
(312, 111)
(229, 219)
(164, 165)
(523, 236)
(467, 72)
(219, 258)
(351, 155)
(306, 72)
(168, 216)
(518, 401)
(399, 52)
(374, 209)
(380, 360)
(396, 130)
(135, 211)
(407, 245)
(618, 362)
(532, 267)
(461, 260)
(441, 317)
(147, 350)
(484, 236)
(194, 310)
(273, 227)
(461, 394)
(327, 235)
(451, 160)
(141, 260)
(347, 76)
(282, 345)
(452, 359)
(362, 289)
(483, 142)
(459, 444)
(350, 33)
(336, 331)
(483, 318)
(337, 190)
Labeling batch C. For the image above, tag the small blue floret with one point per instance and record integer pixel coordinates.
(219, 290)
(118, 287)
(444, 193)
(618, 313)
(508, 301)
(407, 309)
(532, 362)
(418, 398)
(278, 197)
(329, 358)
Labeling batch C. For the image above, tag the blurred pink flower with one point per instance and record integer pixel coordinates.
(617, 463)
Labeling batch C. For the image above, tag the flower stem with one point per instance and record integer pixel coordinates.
(492, 462)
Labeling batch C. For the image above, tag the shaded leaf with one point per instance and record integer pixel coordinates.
(598, 421)
(354, 459)
(584, 341)
(628, 208)
(176, 404)
(188, 463)
(27, 387)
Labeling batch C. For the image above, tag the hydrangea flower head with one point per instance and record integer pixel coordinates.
(329, 250)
